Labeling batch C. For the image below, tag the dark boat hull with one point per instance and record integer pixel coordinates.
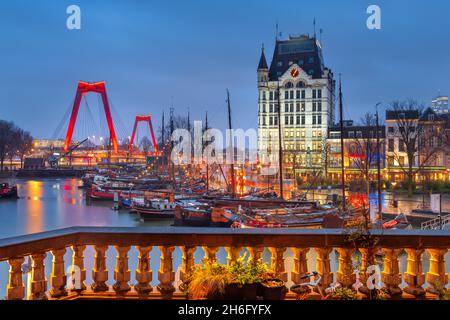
(192, 218)
(11, 193)
(151, 213)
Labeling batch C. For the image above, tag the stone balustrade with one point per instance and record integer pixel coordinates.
(390, 245)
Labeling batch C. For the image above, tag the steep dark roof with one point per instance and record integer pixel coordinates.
(301, 50)
(397, 114)
(430, 111)
(262, 61)
(367, 131)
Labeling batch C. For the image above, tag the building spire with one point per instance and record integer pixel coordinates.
(262, 61)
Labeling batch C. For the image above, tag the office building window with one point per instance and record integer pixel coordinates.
(391, 145)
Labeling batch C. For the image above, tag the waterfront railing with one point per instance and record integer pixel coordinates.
(60, 285)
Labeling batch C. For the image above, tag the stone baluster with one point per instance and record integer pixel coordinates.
(255, 252)
(367, 260)
(232, 254)
(345, 274)
(277, 262)
(38, 281)
(58, 277)
(323, 266)
(436, 276)
(78, 271)
(166, 276)
(187, 264)
(143, 273)
(122, 272)
(210, 254)
(100, 273)
(391, 276)
(414, 275)
(300, 266)
(15, 289)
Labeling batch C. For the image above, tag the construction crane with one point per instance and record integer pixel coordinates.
(53, 159)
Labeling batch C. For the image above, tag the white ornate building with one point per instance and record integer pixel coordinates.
(307, 99)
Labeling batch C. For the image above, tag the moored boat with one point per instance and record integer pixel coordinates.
(7, 191)
(155, 209)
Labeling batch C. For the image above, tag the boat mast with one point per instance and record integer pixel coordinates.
(280, 147)
(380, 208)
(171, 148)
(207, 160)
(233, 182)
(163, 142)
(341, 113)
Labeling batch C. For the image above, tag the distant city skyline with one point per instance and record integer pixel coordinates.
(153, 54)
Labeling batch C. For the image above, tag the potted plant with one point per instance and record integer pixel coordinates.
(271, 287)
(342, 293)
(246, 277)
(208, 281)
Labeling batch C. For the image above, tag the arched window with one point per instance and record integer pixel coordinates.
(289, 85)
(300, 84)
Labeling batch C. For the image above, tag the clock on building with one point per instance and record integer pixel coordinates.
(295, 73)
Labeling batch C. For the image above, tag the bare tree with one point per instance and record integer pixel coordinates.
(13, 142)
(146, 144)
(24, 146)
(411, 130)
(363, 152)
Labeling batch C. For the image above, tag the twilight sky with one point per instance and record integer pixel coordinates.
(151, 51)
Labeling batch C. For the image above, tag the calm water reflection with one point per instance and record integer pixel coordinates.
(49, 204)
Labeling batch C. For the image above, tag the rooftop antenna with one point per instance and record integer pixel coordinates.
(314, 23)
(188, 120)
(276, 31)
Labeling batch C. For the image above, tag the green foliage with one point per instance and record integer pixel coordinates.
(405, 184)
(249, 272)
(344, 294)
(437, 186)
(207, 279)
(443, 293)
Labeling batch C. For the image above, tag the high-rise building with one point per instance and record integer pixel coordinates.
(440, 104)
(307, 99)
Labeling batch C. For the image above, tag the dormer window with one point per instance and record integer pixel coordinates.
(280, 63)
(289, 85)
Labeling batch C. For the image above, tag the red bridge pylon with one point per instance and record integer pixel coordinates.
(147, 119)
(84, 88)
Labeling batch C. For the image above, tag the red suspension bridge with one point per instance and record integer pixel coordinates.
(132, 149)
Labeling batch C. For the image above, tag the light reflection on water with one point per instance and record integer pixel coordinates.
(49, 204)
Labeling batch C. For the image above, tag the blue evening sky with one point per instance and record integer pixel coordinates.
(151, 51)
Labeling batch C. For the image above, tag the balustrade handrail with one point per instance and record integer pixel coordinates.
(186, 236)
